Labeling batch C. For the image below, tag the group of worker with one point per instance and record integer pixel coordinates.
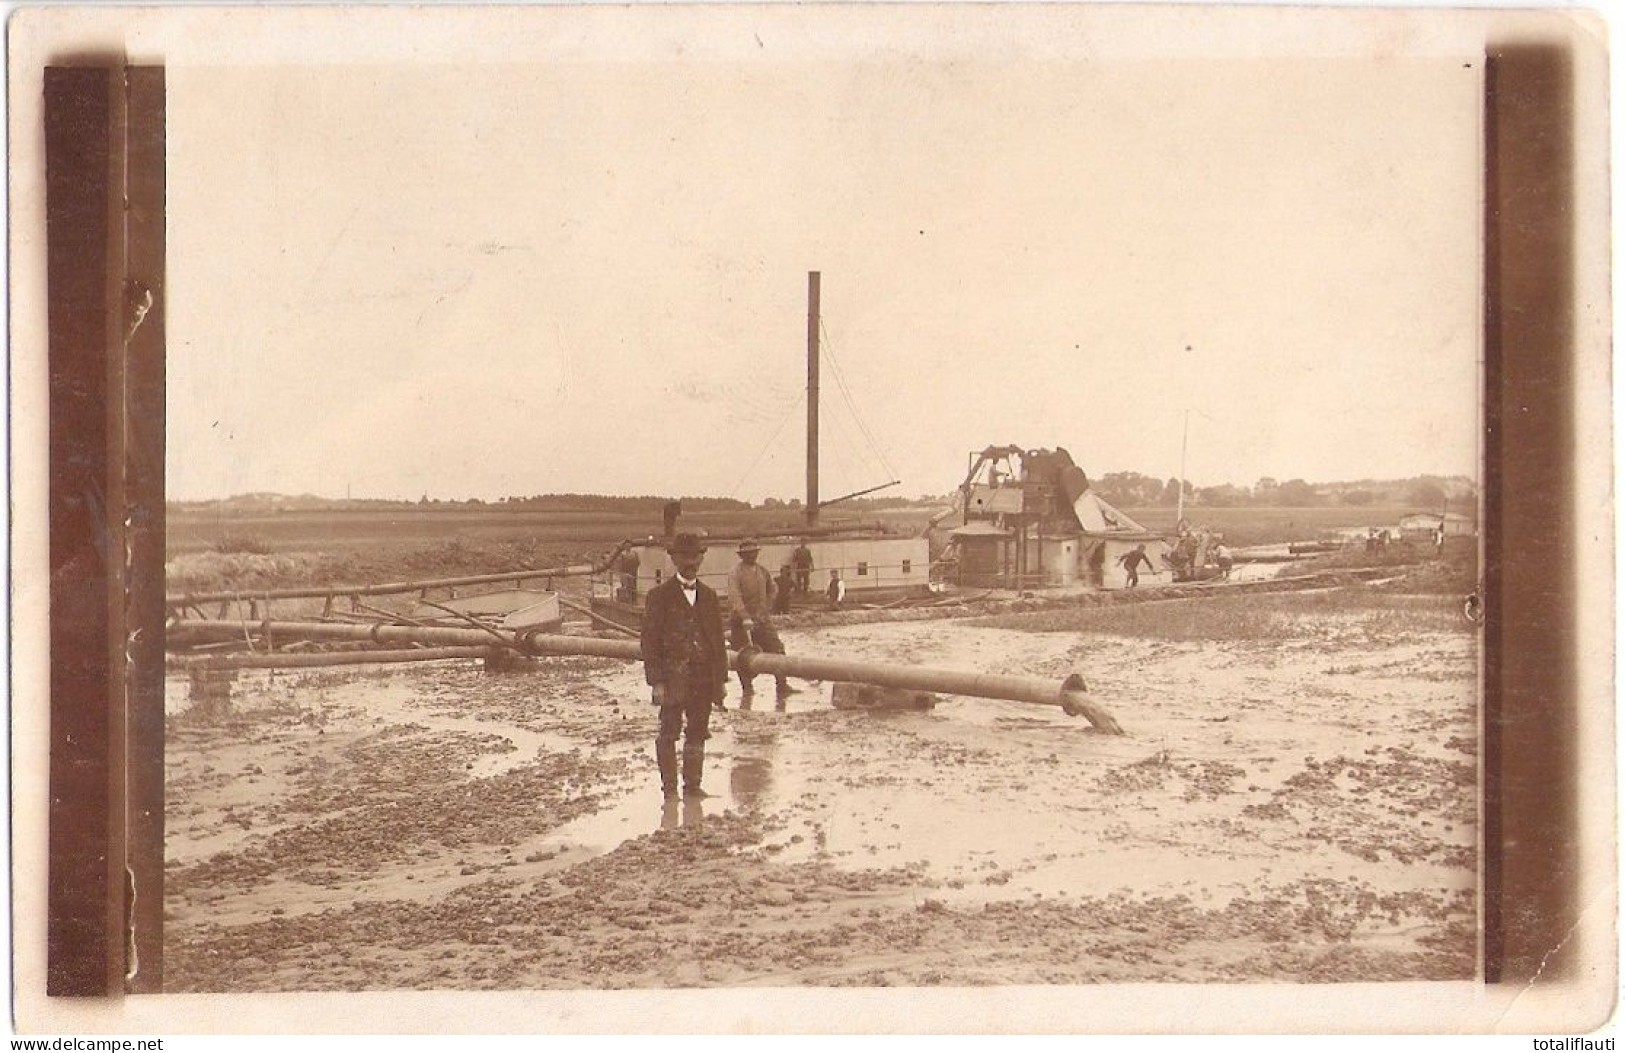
(795, 579)
(685, 654)
(1132, 560)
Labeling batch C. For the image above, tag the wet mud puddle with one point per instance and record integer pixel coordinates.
(866, 791)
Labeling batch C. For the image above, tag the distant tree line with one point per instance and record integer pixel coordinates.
(1127, 489)
(268, 503)
(645, 503)
(1424, 492)
(865, 504)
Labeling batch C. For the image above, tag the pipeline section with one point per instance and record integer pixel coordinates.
(321, 659)
(178, 601)
(1070, 695)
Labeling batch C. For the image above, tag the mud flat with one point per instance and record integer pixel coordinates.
(1296, 799)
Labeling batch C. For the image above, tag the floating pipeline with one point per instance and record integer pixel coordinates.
(1070, 695)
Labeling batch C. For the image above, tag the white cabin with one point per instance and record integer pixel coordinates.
(865, 564)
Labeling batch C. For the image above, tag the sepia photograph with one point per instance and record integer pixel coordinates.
(956, 504)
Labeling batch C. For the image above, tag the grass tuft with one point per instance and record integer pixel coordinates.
(242, 544)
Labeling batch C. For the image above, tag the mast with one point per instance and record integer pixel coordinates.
(1184, 441)
(812, 398)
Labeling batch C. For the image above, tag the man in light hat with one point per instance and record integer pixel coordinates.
(685, 662)
(750, 623)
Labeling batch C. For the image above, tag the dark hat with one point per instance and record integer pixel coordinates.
(686, 545)
(749, 545)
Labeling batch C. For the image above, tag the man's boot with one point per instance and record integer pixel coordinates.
(693, 768)
(666, 758)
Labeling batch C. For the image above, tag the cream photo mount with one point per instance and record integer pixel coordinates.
(1546, 389)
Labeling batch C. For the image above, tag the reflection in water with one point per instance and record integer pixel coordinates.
(691, 812)
(749, 778)
(781, 703)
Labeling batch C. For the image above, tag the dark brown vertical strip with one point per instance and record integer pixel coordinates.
(117, 503)
(1490, 747)
(1530, 573)
(144, 429)
(80, 953)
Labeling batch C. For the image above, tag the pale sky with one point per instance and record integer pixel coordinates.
(489, 278)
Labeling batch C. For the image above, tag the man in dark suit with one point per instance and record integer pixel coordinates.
(685, 663)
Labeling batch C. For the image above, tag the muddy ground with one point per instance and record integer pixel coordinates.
(1290, 806)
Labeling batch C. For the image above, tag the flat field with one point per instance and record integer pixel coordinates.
(1294, 800)
(362, 547)
(216, 552)
(300, 531)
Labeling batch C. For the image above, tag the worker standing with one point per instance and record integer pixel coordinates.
(784, 588)
(685, 663)
(1131, 564)
(835, 591)
(802, 562)
(1225, 560)
(1184, 557)
(750, 625)
(627, 568)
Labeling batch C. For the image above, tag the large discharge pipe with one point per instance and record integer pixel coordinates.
(1070, 695)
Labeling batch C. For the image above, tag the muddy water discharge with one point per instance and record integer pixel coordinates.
(1301, 808)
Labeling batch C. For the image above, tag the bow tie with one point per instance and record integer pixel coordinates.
(688, 586)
